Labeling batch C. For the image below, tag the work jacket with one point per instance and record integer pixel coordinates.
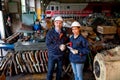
(81, 44)
(53, 41)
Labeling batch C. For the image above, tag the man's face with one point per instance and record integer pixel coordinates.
(58, 24)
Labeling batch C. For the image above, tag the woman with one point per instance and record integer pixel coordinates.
(78, 51)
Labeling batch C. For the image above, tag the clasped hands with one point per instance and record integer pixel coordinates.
(62, 47)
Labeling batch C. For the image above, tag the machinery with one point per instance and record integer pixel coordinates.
(106, 64)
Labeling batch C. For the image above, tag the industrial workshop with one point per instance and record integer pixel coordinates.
(59, 39)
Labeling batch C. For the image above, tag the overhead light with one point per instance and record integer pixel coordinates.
(41, 1)
(44, 4)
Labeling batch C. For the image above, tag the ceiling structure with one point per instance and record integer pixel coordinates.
(79, 1)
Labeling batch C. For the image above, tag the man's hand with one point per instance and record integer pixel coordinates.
(62, 47)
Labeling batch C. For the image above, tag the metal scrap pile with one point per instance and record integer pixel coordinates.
(34, 61)
(24, 62)
(27, 57)
(104, 34)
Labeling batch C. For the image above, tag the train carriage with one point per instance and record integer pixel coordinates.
(79, 9)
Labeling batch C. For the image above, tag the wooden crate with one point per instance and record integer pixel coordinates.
(106, 29)
(89, 29)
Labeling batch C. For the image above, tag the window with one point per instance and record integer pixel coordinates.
(52, 7)
(28, 6)
(57, 8)
(13, 7)
(68, 7)
(23, 6)
(2, 31)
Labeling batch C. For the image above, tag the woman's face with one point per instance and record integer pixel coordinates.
(76, 30)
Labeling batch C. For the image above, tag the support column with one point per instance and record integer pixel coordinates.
(2, 30)
(38, 8)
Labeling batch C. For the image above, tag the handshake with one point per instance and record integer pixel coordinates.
(62, 47)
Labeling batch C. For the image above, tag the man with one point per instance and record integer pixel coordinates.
(55, 41)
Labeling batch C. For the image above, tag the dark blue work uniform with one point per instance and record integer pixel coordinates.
(55, 55)
(77, 60)
(81, 44)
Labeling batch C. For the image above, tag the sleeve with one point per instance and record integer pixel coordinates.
(84, 48)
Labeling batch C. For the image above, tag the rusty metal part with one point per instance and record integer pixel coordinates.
(37, 59)
(9, 68)
(41, 61)
(109, 53)
(2, 76)
(12, 38)
(4, 61)
(14, 63)
(22, 62)
(26, 62)
(33, 61)
(18, 62)
(29, 62)
(44, 60)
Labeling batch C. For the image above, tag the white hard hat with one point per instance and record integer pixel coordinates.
(75, 23)
(59, 18)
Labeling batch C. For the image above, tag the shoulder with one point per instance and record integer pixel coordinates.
(51, 31)
(71, 37)
(83, 39)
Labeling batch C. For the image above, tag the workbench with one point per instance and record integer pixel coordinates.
(5, 46)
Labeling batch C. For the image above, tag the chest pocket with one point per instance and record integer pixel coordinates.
(78, 44)
(56, 40)
(81, 44)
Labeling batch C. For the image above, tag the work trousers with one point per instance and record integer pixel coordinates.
(52, 63)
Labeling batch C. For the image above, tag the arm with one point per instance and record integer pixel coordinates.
(84, 48)
(50, 42)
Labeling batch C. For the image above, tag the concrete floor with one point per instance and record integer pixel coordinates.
(42, 76)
